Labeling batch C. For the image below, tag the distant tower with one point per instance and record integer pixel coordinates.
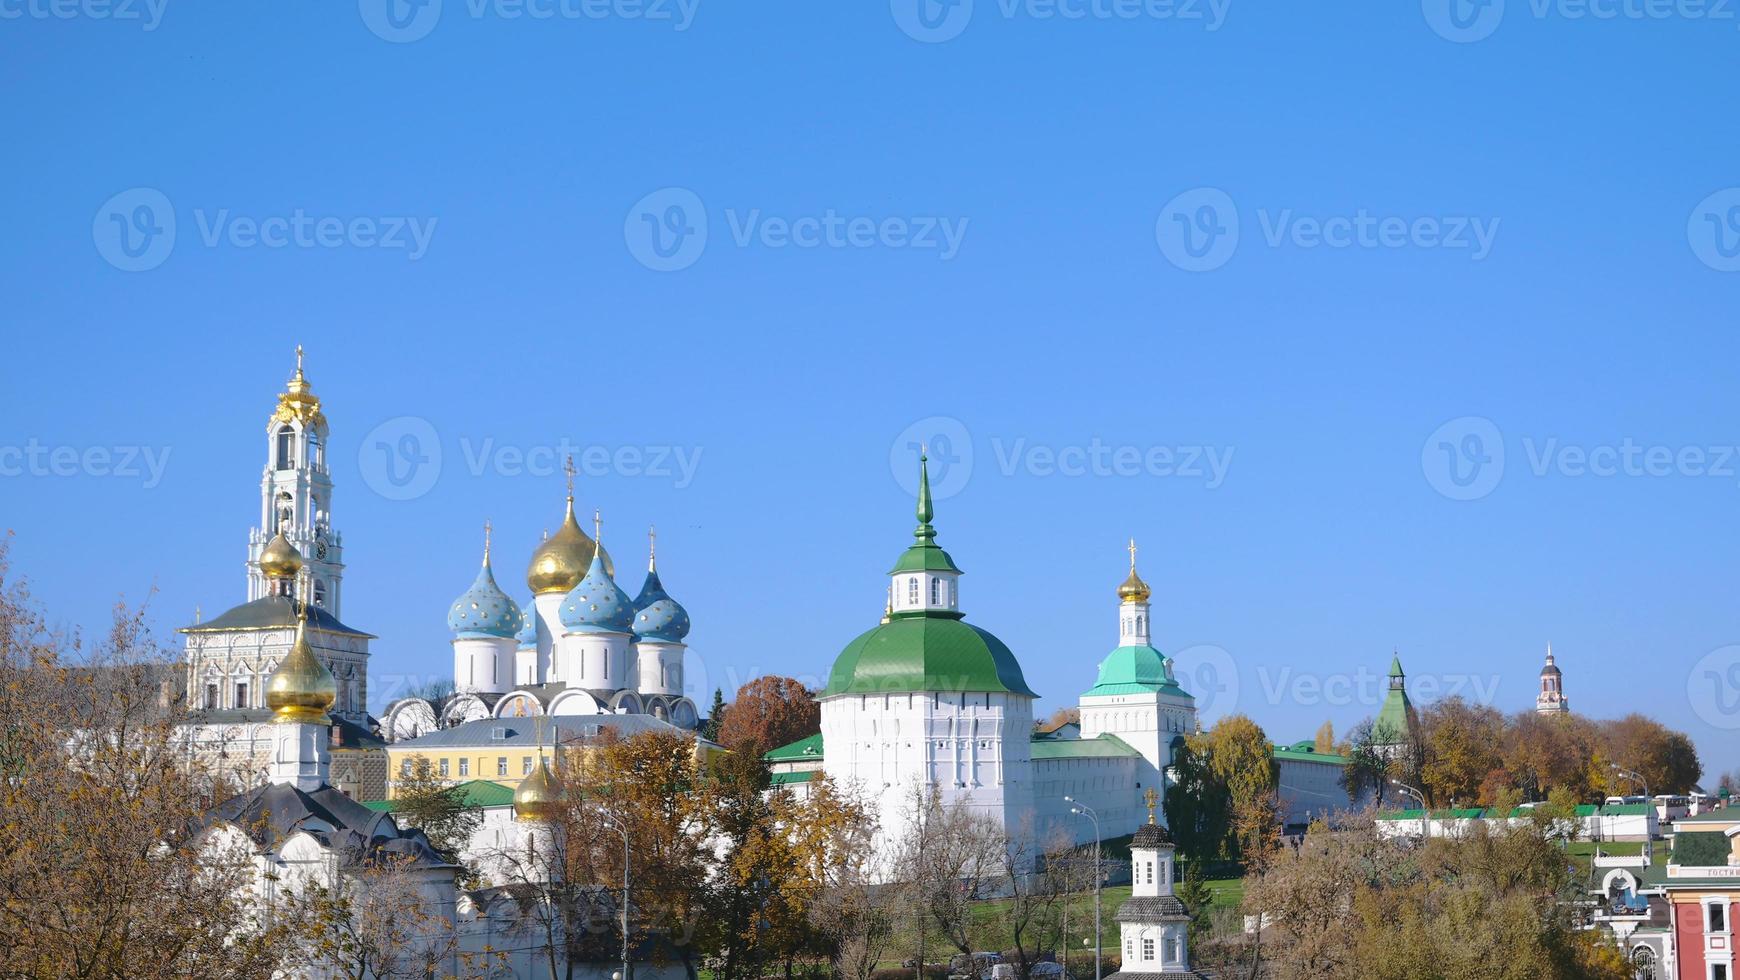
(1552, 700)
(1396, 719)
(296, 496)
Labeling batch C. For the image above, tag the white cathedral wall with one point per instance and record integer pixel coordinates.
(660, 668)
(973, 748)
(1147, 721)
(483, 663)
(595, 661)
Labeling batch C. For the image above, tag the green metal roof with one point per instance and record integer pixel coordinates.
(925, 652)
(478, 793)
(1305, 752)
(1705, 848)
(785, 778)
(1135, 670)
(1724, 815)
(1103, 747)
(1395, 720)
(804, 749)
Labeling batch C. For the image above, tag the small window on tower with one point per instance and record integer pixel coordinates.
(912, 590)
(935, 591)
(1147, 949)
(320, 593)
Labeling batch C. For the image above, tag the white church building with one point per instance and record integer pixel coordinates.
(926, 702)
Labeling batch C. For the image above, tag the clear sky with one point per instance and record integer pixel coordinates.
(1268, 286)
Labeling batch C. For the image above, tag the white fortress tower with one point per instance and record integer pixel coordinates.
(1136, 696)
(484, 620)
(296, 496)
(926, 703)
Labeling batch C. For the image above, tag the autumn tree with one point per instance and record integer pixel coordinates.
(1242, 759)
(1324, 741)
(103, 870)
(1198, 805)
(1462, 742)
(767, 713)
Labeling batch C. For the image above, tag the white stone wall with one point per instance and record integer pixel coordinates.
(1107, 785)
(973, 748)
(484, 664)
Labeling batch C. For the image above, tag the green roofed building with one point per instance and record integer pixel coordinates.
(1396, 721)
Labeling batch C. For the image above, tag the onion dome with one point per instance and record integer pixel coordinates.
(528, 634)
(1134, 589)
(537, 796)
(598, 604)
(301, 689)
(484, 609)
(280, 559)
(561, 561)
(657, 616)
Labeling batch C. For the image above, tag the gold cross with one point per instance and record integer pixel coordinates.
(1132, 554)
(1152, 798)
(298, 358)
(568, 468)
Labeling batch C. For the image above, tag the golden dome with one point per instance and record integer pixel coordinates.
(1134, 589)
(301, 689)
(561, 561)
(280, 559)
(538, 795)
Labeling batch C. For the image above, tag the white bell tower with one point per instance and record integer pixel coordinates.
(296, 496)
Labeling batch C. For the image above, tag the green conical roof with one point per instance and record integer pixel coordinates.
(1395, 721)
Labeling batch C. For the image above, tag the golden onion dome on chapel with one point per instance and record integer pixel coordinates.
(280, 559)
(537, 796)
(561, 561)
(1134, 589)
(301, 689)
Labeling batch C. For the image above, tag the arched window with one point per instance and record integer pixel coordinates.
(313, 447)
(286, 442)
(912, 590)
(935, 591)
(320, 593)
(1139, 626)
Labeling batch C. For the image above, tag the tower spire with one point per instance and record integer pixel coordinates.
(652, 543)
(925, 509)
(486, 530)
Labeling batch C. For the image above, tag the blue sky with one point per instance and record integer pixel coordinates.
(1007, 228)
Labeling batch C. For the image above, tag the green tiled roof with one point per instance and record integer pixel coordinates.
(1724, 815)
(1135, 670)
(804, 749)
(478, 793)
(925, 653)
(1707, 848)
(784, 778)
(1103, 747)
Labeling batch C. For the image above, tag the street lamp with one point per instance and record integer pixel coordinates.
(1648, 801)
(1083, 809)
(1425, 811)
(623, 974)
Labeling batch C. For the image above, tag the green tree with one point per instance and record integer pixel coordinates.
(1198, 809)
(422, 799)
(715, 717)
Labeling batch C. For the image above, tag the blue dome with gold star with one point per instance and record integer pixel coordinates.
(528, 634)
(657, 616)
(484, 609)
(597, 604)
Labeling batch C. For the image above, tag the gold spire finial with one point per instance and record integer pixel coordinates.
(568, 468)
(1132, 554)
(299, 360)
(1133, 589)
(1151, 798)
